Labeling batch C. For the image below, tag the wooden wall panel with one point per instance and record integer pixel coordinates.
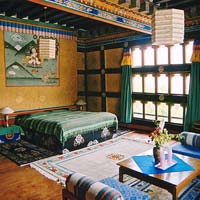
(100, 81)
(113, 58)
(81, 82)
(34, 97)
(94, 83)
(80, 61)
(113, 105)
(94, 104)
(93, 60)
(113, 82)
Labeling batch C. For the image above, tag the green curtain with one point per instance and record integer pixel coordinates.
(193, 108)
(126, 88)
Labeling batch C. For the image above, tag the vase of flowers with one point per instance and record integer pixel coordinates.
(160, 137)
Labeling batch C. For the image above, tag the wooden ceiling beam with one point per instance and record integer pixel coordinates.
(34, 13)
(56, 17)
(23, 11)
(135, 4)
(65, 20)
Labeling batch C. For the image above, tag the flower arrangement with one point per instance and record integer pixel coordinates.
(160, 135)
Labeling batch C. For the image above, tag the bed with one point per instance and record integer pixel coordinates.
(60, 130)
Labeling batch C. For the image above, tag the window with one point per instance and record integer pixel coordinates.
(187, 83)
(137, 83)
(177, 84)
(150, 110)
(149, 83)
(177, 114)
(149, 56)
(162, 83)
(162, 111)
(188, 51)
(176, 54)
(162, 55)
(137, 55)
(161, 86)
(137, 109)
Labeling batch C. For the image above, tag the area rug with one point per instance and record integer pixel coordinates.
(98, 161)
(23, 153)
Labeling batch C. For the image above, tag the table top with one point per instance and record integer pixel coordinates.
(174, 178)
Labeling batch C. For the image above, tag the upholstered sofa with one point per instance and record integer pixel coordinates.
(189, 145)
(81, 187)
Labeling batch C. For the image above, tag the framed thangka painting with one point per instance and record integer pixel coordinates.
(24, 64)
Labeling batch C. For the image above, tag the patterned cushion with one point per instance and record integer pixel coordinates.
(85, 188)
(127, 192)
(191, 139)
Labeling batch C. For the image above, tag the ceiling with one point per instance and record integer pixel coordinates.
(85, 27)
(179, 4)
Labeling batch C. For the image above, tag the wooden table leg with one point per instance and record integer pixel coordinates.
(174, 194)
(120, 175)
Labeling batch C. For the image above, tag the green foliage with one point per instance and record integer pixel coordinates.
(161, 136)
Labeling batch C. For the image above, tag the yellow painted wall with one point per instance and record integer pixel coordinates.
(25, 98)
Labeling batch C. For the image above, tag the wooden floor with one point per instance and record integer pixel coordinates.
(24, 183)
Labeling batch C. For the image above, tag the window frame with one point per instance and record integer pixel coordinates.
(169, 99)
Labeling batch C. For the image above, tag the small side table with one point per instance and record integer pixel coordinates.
(11, 133)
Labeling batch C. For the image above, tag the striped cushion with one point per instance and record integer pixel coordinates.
(85, 188)
(191, 139)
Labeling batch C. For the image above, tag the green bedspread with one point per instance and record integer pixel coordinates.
(65, 124)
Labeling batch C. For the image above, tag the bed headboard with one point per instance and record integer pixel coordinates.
(23, 112)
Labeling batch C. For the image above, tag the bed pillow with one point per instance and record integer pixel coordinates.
(85, 188)
(191, 139)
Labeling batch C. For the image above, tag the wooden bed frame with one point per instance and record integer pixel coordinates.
(13, 115)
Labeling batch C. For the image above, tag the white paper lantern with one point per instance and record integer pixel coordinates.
(47, 48)
(167, 27)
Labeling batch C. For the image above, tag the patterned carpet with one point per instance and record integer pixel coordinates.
(191, 192)
(23, 153)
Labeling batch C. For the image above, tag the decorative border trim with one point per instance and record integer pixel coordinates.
(102, 15)
(7, 25)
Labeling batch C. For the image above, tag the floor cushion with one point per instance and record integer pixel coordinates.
(186, 150)
(191, 139)
(85, 188)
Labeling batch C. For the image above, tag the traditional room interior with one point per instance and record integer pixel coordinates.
(96, 56)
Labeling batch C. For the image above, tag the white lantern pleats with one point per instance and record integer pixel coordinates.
(47, 48)
(168, 27)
